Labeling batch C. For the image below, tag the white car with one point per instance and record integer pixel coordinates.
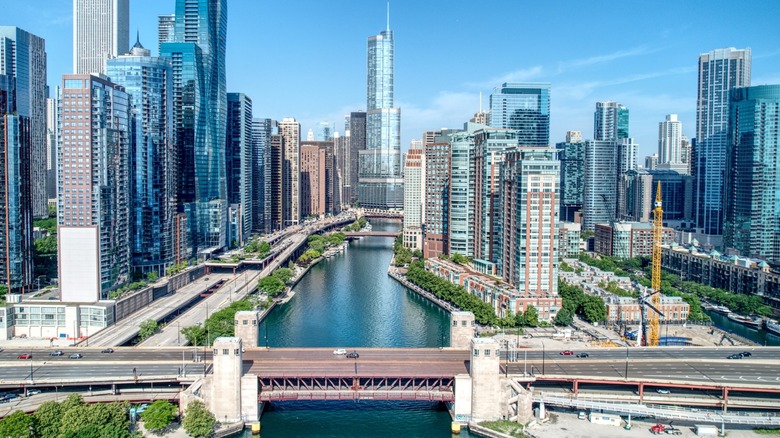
(340, 351)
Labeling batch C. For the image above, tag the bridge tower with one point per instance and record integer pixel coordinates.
(462, 330)
(486, 392)
(232, 395)
(247, 327)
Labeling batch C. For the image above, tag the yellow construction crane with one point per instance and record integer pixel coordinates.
(655, 297)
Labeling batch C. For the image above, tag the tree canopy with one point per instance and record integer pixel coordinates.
(147, 328)
(158, 416)
(198, 421)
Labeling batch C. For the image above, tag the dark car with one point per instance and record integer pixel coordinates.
(107, 350)
(353, 355)
(566, 353)
(735, 356)
(56, 353)
(24, 356)
(75, 356)
(583, 355)
(746, 354)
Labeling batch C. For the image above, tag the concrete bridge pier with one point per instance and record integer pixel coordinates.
(231, 395)
(462, 330)
(248, 327)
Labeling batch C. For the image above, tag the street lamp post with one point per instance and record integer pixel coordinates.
(626, 373)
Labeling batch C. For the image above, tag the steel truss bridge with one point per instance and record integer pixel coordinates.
(435, 388)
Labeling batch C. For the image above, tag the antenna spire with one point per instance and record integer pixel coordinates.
(388, 16)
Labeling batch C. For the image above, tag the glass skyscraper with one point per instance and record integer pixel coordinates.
(610, 121)
(238, 165)
(752, 200)
(524, 107)
(148, 81)
(720, 71)
(262, 129)
(198, 60)
(380, 179)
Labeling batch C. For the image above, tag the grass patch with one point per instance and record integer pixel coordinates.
(764, 431)
(506, 427)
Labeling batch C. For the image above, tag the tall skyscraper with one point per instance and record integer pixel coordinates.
(528, 253)
(461, 197)
(685, 154)
(720, 71)
(262, 129)
(437, 192)
(600, 182)
(313, 179)
(572, 156)
(276, 182)
(101, 31)
(342, 188)
(165, 32)
(381, 183)
(149, 82)
(16, 218)
(200, 100)
(324, 131)
(610, 121)
(670, 140)
(51, 147)
(290, 131)
(238, 163)
(357, 143)
(23, 57)
(752, 200)
(490, 145)
(414, 198)
(524, 107)
(93, 198)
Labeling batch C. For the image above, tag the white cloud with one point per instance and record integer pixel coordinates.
(446, 110)
(599, 59)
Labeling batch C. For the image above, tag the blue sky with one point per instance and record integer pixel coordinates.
(306, 59)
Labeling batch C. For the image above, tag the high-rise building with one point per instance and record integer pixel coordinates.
(262, 129)
(51, 147)
(651, 162)
(149, 82)
(610, 121)
(276, 182)
(325, 131)
(626, 161)
(357, 143)
(600, 183)
(198, 60)
(312, 180)
(93, 199)
(490, 145)
(437, 192)
(381, 181)
(572, 156)
(238, 164)
(753, 173)
(23, 57)
(685, 154)
(528, 253)
(524, 107)
(414, 198)
(342, 189)
(720, 71)
(461, 196)
(290, 130)
(101, 31)
(16, 213)
(670, 140)
(165, 32)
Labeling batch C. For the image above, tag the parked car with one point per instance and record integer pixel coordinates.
(582, 415)
(75, 356)
(583, 355)
(107, 350)
(663, 391)
(24, 356)
(56, 353)
(353, 355)
(735, 356)
(566, 353)
(340, 351)
(746, 354)
(33, 392)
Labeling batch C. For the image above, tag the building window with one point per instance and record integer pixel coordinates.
(225, 351)
(487, 353)
(476, 353)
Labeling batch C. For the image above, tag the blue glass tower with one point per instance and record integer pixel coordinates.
(380, 179)
(148, 80)
(238, 165)
(752, 200)
(524, 107)
(200, 35)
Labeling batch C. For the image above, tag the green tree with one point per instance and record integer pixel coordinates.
(531, 317)
(283, 274)
(46, 245)
(198, 421)
(195, 334)
(47, 419)
(565, 316)
(147, 328)
(152, 276)
(158, 416)
(594, 309)
(271, 285)
(73, 401)
(18, 425)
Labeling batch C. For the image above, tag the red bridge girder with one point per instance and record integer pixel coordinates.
(354, 387)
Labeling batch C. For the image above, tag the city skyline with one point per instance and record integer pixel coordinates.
(651, 70)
